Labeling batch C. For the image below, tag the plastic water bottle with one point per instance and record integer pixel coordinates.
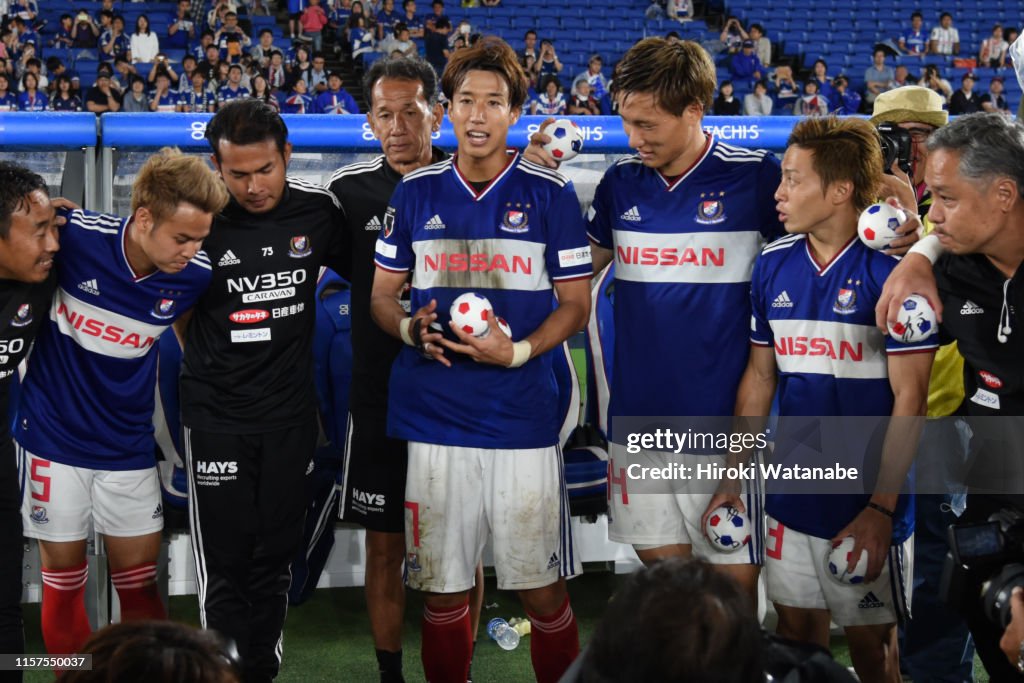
(504, 635)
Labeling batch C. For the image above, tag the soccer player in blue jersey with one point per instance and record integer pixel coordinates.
(84, 428)
(684, 219)
(816, 289)
(480, 413)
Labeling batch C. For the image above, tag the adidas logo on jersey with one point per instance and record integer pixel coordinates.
(90, 286)
(435, 223)
(632, 215)
(870, 601)
(229, 259)
(971, 308)
(783, 301)
(373, 224)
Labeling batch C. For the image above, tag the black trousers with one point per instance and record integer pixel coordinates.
(12, 630)
(247, 504)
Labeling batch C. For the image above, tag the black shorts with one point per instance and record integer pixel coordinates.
(373, 489)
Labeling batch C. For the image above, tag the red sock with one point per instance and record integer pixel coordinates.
(65, 624)
(447, 644)
(136, 589)
(554, 643)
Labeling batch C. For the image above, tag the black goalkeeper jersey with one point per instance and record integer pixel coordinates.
(248, 364)
(364, 190)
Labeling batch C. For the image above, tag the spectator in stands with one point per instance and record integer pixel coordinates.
(432, 24)
(464, 30)
(215, 18)
(162, 67)
(55, 68)
(758, 103)
(901, 77)
(993, 100)
(106, 21)
(62, 40)
(64, 97)
(35, 67)
(261, 51)
(122, 74)
(205, 40)
(103, 97)
(313, 21)
(223, 74)
(411, 20)
(188, 67)
(547, 65)
(812, 102)
(819, 74)
(944, 38)
(210, 65)
(277, 75)
(744, 65)
(145, 45)
(298, 100)
(680, 10)
(845, 100)
(931, 79)
(27, 34)
(294, 13)
(762, 46)
(8, 100)
(198, 99)
(529, 47)
(386, 20)
(726, 103)
(784, 89)
(733, 35)
(165, 99)
(965, 100)
(302, 64)
(223, 36)
(914, 40)
(399, 43)
(116, 44)
(993, 49)
(261, 91)
(360, 39)
(550, 102)
(338, 13)
(135, 100)
(335, 100)
(32, 98)
(596, 79)
(232, 90)
(878, 77)
(181, 30)
(316, 76)
(583, 102)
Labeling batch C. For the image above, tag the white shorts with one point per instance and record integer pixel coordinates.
(59, 501)
(652, 514)
(797, 577)
(455, 497)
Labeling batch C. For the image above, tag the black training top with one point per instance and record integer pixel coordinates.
(248, 364)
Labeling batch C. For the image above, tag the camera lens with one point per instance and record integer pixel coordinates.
(997, 591)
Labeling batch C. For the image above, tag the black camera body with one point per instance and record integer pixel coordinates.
(985, 563)
(896, 146)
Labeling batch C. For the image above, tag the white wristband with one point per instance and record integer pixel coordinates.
(403, 329)
(929, 247)
(521, 351)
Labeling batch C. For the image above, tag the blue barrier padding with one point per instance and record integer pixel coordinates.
(47, 130)
(328, 132)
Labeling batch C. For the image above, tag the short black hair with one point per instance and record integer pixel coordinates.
(402, 69)
(266, 30)
(944, 15)
(917, 14)
(246, 122)
(16, 184)
(235, 66)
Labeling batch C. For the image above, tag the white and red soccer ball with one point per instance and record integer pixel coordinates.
(877, 224)
(915, 322)
(838, 559)
(727, 528)
(470, 313)
(566, 139)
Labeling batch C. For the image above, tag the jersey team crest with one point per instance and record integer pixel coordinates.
(23, 316)
(515, 221)
(846, 302)
(711, 211)
(300, 247)
(163, 309)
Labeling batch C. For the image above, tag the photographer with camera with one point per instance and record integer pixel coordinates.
(936, 644)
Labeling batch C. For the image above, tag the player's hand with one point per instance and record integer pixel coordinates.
(1013, 636)
(728, 493)
(898, 184)
(62, 204)
(431, 340)
(535, 151)
(871, 531)
(910, 231)
(913, 275)
(495, 348)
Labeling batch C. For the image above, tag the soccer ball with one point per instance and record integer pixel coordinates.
(504, 327)
(470, 312)
(728, 529)
(566, 139)
(838, 558)
(916, 321)
(877, 224)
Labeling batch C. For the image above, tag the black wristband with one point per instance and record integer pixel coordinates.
(416, 332)
(885, 511)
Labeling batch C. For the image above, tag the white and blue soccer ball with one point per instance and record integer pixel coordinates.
(727, 528)
(838, 559)
(915, 322)
(877, 224)
(566, 139)
(470, 313)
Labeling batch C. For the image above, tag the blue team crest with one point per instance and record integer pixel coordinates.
(846, 302)
(711, 211)
(39, 514)
(23, 316)
(515, 221)
(300, 247)
(412, 562)
(389, 222)
(163, 309)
